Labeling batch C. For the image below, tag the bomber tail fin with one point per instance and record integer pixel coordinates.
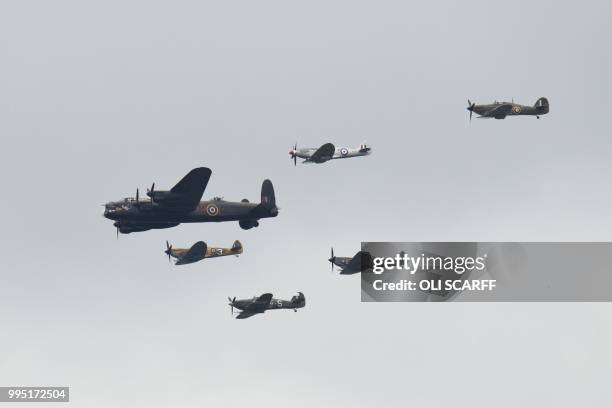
(267, 207)
(268, 199)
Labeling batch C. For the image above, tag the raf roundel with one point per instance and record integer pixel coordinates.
(212, 210)
(344, 151)
(517, 109)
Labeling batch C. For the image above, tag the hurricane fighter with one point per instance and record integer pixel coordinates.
(199, 251)
(166, 209)
(327, 152)
(499, 110)
(257, 305)
(349, 266)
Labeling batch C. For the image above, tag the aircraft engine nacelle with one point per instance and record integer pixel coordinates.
(166, 197)
(248, 224)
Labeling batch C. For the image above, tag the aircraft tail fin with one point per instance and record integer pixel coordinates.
(267, 207)
(237, 246)
(364, 148)
(542, 105)
(268, 199)
(299, 300)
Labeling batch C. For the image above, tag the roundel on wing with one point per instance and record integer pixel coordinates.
(212, 210)
(344, 151)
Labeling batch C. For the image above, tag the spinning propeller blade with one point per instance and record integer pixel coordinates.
(471, 108)
(168, 250)
(294, 154)
(332, 259)
(231, 304)
(150, 192)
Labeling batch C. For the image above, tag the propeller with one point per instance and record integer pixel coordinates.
(231, 303)
(151, 191)
(137, 198)
(471, 108)
(168, 250)
(332, 259)
(293, 154)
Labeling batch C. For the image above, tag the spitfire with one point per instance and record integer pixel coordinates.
(166, 209)
(349, 266)
(199, 251)
(327, 152)
(499, 110)
(257, 305)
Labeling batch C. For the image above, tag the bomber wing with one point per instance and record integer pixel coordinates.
(188, 192)
(323, 153)
(499, 112)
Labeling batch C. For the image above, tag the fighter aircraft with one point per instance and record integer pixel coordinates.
(199, 251)
(499, 110)
(256, 305)
(166, 209)
(349, 266)
(327, 152)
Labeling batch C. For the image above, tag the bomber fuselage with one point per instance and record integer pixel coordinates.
(207, 211)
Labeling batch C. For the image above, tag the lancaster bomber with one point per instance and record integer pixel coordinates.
(256, 305)
(327, 152)
(199, 251)
(499, 110)
(349, 266)
(166, 209)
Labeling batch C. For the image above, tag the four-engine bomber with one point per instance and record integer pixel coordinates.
(166, 209)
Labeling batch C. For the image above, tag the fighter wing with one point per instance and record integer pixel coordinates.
(196, 252)
(190, 189)
(264, 299)
(323, 153)
(499, 112)
(360, 261)
(246, 314)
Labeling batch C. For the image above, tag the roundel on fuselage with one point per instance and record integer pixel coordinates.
(212, 210)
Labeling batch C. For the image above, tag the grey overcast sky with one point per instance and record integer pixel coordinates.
(98, 98)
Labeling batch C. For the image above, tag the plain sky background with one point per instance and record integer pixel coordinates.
(98, 98)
